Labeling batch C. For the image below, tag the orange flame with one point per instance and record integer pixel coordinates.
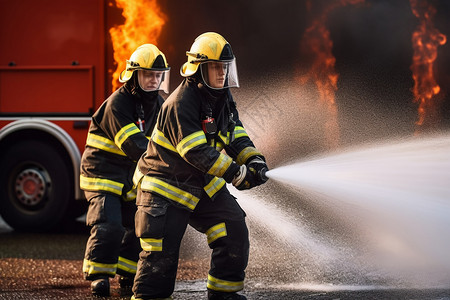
(317, 43)
(426, 39)
(143, 24)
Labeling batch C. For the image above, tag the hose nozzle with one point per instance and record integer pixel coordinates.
(262, 174)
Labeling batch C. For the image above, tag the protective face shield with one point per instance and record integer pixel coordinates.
(219, 74)
(211, 55)
(152, 80)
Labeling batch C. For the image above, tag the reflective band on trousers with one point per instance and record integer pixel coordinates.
(245, 154)
(100, 184)
(148, 244)
(103, 143)
(191, 141)
(91, 267)
(224, 285)
(127, 265)
(124, 133)
(215, 232)
(214, 186)
(151, 184)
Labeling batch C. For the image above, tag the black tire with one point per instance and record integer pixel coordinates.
(36, 186)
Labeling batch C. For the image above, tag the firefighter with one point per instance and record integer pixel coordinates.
(117, 138)
(182, 177)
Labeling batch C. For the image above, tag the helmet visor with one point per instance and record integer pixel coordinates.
(219, 74)
(154, 80)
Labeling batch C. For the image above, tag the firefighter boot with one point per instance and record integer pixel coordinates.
(126, 284)
(100, 286)
(214, 295)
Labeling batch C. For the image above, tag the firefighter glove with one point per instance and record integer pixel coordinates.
(244, 179)
(258, 167)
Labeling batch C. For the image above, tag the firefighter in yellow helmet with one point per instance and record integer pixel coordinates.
(182, 177)
(117, 137)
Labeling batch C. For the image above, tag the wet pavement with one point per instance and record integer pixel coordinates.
(48, 266)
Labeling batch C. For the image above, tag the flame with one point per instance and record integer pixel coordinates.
(317, 43)
(426, 39)
(143, 24)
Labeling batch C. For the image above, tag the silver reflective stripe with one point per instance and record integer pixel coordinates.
(224, 285)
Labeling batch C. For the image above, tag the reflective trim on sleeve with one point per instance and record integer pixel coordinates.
(239, 131)
(215, 232)
(245, 154)
(191, 141)
(137, 176)
(224, 285)
(150, 245)
(221, 165)
(90, 268)
(103, 143)
(151, 184)
(100, 184)
(159, 138)
(127, 265)
(214, 186)
(125, 133)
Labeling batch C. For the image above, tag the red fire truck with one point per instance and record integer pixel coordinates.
(56, 59)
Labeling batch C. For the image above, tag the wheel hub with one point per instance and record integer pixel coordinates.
(30, 187)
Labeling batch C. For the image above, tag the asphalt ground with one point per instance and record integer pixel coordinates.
(48, 266)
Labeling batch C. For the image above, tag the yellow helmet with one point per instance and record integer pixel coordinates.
(208, 46)
(211, 47)
(147, 57)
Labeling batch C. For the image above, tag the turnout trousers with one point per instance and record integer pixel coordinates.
(112, 246)
(160, 226)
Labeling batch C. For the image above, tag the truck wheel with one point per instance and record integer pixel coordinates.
(35, 186)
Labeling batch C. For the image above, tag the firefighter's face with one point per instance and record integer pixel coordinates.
(216, 74)
(149, 80)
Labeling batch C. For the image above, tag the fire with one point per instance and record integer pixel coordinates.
(426, 39)
(143, 24)
(317, 43)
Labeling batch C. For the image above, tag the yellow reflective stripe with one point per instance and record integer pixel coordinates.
(103, 143)
(131, 195)
(215, 232)
(125, 133)
(221, 165)
(214, 186)
(225, 139)
(224, 285)
(91, 267)
(169, 191)
(239, 131)
(191, 141)
(100, 184)
(127, 265)
(220, 146)
(149, 244)
(245, 154)
(159, 138)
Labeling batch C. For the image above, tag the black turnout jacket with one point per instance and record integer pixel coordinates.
(115, 141)
(188, 155)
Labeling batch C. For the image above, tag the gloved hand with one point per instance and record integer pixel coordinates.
(244, 180)
(258, 167)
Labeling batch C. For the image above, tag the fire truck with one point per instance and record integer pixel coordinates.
(56, 59)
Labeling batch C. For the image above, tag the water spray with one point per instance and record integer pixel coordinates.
(399, 191)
